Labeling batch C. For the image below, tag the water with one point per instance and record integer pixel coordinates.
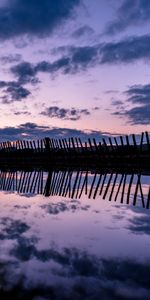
(59, 243)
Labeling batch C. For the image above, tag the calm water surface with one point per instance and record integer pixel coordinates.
(60, 247)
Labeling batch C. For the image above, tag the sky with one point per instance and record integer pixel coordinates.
(74, 68)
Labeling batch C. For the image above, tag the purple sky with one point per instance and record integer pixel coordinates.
(74, 66)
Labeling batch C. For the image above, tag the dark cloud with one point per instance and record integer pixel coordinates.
(32, 17)
(96, 108)
(125, 51)
(72, 114)
(8, 59)
(13, 91)
(18, 113)
(117, 103)
(34, 131)
(130, 13)
(60, 207)
(140, 114)
(83, 31)
(84, 276)
(139, 94)
(12, 229)
(140, 224)
(76, 59)
(25, 73)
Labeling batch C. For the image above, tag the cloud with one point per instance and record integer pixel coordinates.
(13, 91)
(140, 225)
(72, 114)
(8, 59)
(13, 229)
(139, 94)
(125, 51)
(130, 13)
(34, 131)
(75, 274)
(61, 207)
(25, 72)
(140, 114)
(83, 31)
(76, 59)
(34, 18)
(18, 113)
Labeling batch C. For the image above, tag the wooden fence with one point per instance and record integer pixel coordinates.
(109, 145)
(125, 188)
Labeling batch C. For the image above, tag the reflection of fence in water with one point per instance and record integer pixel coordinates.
(74, 184)
(22, 182)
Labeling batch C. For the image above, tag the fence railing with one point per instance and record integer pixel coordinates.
(121, 187)
(76, 145)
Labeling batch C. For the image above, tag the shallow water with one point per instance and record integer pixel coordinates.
(74, 246)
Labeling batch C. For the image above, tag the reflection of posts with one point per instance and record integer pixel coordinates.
(74, 184)
(48, 184)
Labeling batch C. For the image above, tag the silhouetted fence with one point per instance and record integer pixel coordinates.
(125, 188)
(110, 145)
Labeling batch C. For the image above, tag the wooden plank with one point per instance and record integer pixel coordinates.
(148, 200)
(69, 184)
(67, 145)
(60, 144)
(107, 187)
(64, 145)
(95, 144)
(105, 145)
(97, 186)
(42, 145)
(79, 183)
(21, 145)
(136, 191)
(92, 185)
(111, 144)
(75, 184)
(81, 145)
(47, 144)
(141, 142)
(65, 184)
(34, 146)
(113, 186)
(134, 141)
(129, 188)
(123, 188)
(36, 182)
(47, 185)
(84, 185)
(103, 182)
(57, 183)
(121, 140)
(141, 192)
(38, 146)
(127, 141)
(147, 139)
(119, 186)
(31, 145)
(73, 144)
(90, 144)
